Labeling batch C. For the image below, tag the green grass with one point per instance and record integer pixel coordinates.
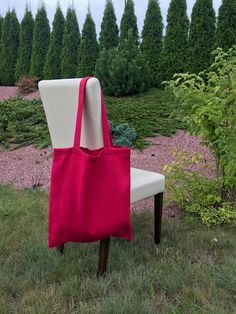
(192, 271)
(23, 122)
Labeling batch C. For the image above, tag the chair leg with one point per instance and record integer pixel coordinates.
(103, 256)
(60, 249)
(158, 204)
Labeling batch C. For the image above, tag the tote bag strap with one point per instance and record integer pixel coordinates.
(105, 125)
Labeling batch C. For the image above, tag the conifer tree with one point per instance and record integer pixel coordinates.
(52, 66)
(1, 22)
(88, 48)
(151, 45)
(122, 70)
(226, 25)
(9, 48)
(41, 38)
(109, 29)
(70, 45)
(201, 35)
(174, 58)
(129, 22)
(25, 46)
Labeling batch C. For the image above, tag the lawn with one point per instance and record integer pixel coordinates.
(153, 113)
(192, 271)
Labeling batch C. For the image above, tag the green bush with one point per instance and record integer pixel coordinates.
(195, 193)
(122, 70)
(208, 102)
(123, 135)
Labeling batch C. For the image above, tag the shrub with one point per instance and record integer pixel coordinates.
(123, 135)
(197, 194)
(27, 84)
(122, 70)
(208, 102)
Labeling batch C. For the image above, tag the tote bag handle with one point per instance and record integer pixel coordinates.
(105, 125)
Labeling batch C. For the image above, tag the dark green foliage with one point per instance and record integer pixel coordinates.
(129, 22)
(201, 36)
(9, 48)
(41, 38)
(23, 122)
(226, 26)
(123, 135)
(52, 67)
(122, 71)
(88, 49)
(25, 48)
(1, 22)
(70, 45)
(151, 45)
(174, 57)
(109, 29)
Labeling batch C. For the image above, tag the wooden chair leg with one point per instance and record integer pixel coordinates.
(60, 249)
(158, 205)
(103, 256)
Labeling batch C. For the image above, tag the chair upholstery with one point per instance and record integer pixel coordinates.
(145, 183)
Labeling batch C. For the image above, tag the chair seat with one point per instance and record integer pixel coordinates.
(145, 183)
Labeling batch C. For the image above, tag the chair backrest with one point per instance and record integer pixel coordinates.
(60, 102)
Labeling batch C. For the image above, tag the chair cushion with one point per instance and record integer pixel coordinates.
(145, 183)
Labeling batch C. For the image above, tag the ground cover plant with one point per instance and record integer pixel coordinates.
(192, 271)
(23, 122)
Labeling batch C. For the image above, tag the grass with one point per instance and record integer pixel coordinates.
(192, 271)
(23, 122)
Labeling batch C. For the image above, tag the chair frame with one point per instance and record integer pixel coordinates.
(105, 243)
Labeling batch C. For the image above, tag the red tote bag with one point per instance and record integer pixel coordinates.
(89, 189)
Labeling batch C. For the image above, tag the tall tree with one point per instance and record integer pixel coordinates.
(226, 25)
(41, 38)
(151, 45)
(109, 29)
(173, 59)
(52, 66)
(202, 35)
(70, 45)
(1, 22)
(88, 49)
(9, 48)
(25, 48)
(129, 22)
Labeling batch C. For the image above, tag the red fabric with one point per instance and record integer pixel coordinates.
(90, 189)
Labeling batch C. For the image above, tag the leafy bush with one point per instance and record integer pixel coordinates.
(195, 193)
(209, 104)
(27, 84)
(123, 135)
(122, 70)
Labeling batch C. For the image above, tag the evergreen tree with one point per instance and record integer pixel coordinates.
(226, 26)
(41, 38)
(122, 70)
(9, 48)
(70, 45)
(25, 48)
(129, 22)
(52, 66)
(109, 29)
(201, 36)
(151, 45)
(88, 49)
(1, 22)
(174, 58)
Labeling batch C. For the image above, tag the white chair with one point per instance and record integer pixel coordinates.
(60, 99)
